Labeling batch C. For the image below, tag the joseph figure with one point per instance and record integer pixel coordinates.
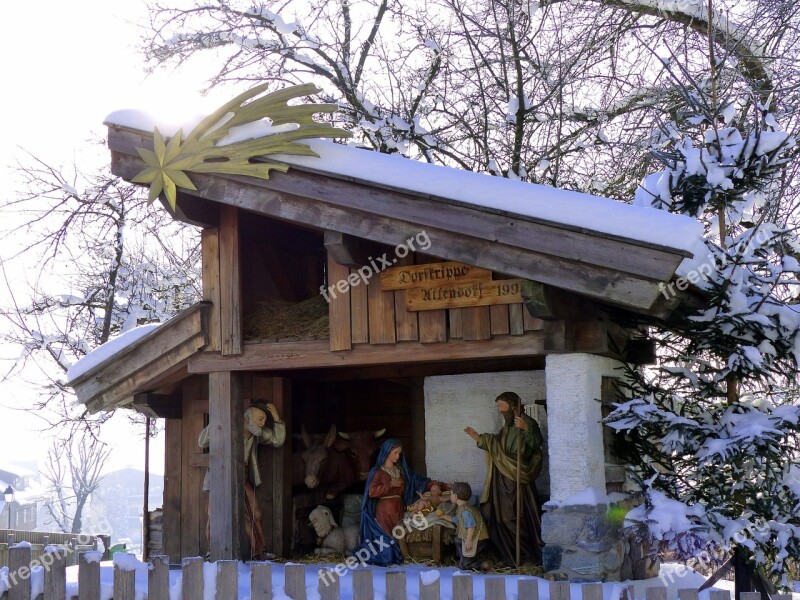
(257, 431)
(499, 498)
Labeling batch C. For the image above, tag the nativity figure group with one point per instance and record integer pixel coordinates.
(507, 518)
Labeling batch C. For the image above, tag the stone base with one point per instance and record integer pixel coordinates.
(586, 543)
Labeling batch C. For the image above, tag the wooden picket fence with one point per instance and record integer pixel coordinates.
(39, 540)
(294, 581)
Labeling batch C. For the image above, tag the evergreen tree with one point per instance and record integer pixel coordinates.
(712, 429)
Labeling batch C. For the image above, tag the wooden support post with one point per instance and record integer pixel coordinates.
(260, 581)
(227, 580)
(211, 286)
(225, 416)
(89, 577)
(158, 578)
(363, 586)
(55, 577)
(230, 280)
(192, 581)
(19, 573)
(282, 472)
(124, 584)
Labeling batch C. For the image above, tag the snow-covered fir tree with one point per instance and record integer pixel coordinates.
(712, 429)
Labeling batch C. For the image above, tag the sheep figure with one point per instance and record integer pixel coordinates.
(332, 538)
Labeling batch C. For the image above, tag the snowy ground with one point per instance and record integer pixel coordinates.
(611, 591)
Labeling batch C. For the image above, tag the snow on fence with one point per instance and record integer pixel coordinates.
(228, 586)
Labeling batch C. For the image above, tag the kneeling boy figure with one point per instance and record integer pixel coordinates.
(471, 533)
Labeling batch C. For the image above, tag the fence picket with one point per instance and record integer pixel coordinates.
(363, 588)
(260, 581)
(656, 593)
(19, 573)
(55, 577)
(528, 589)
(158, 578)
(496, 588)
(124, 584)
(559, 590)
(593, 591)
(88, 577)
(328, 585)
(192, 583)
(626, 593)
(774, 597)
(227, 580)
(692, 594)
(430, 591)
(295, 581)
(395, 585)
(462, 587)
(54, 560)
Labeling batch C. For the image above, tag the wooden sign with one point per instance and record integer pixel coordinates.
(432, 274)
(464, 293)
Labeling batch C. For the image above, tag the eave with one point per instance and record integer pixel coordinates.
(151, 362)
(607, 268)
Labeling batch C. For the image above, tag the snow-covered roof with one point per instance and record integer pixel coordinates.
(576, 209)
(109, 349)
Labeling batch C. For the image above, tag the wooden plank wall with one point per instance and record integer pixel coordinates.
(367, 314)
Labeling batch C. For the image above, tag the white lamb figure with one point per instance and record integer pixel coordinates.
(332, 538)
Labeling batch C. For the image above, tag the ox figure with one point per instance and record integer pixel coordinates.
(335, 464)
(362, 446)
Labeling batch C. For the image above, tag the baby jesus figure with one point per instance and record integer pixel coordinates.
(430, 501)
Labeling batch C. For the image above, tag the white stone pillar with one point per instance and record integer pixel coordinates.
(575, 434)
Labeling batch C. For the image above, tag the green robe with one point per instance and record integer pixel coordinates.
(499, 497)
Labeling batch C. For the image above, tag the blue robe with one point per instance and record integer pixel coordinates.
(386, 551)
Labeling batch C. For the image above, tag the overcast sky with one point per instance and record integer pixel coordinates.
(66, 65)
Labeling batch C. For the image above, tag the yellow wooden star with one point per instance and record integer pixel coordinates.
(161, 172)
(168, 162)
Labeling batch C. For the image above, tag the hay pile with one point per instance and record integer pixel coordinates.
(279, 320)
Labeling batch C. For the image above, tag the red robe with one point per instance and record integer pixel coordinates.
(389, 509)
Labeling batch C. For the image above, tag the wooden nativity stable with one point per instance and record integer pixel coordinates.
(415, 294)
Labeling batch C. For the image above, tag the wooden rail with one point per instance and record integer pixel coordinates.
(464, 587)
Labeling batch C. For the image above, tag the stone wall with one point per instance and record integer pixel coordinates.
(585, 542)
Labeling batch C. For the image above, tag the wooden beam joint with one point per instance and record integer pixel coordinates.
(350, 251)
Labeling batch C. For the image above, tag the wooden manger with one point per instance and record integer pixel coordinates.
(432, 543)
